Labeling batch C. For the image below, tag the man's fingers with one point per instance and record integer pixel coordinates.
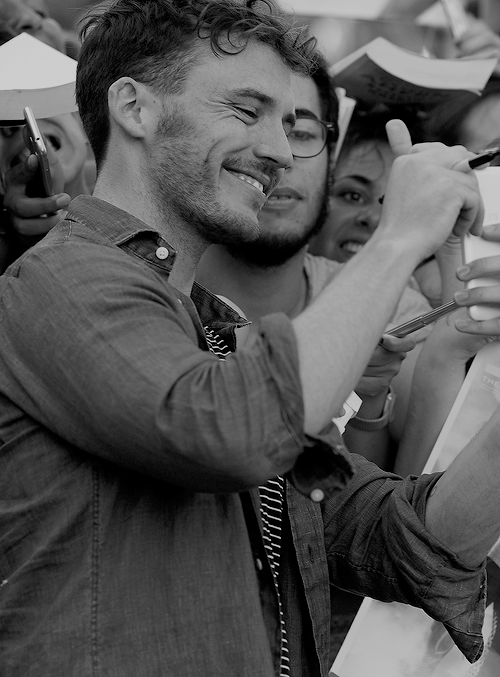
(471, 216)
(398, 345)
(488, 266)
(32, 207)
(21, 173)
(399, 137)
(35, 227)
(491, 232)
(489, 329)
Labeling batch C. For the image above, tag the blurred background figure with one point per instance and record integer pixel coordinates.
(474, 124)
(33, 17)
(71, 161)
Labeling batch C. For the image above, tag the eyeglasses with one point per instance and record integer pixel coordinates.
(309, 136)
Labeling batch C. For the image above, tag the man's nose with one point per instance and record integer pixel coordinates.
(273, 146)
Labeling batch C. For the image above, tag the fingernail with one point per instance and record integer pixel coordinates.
(490, 229)
(63, 201)
(461, 296)
(463, 270)
(462, 324)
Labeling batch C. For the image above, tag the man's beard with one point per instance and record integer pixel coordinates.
(270, 249)
(184, 187)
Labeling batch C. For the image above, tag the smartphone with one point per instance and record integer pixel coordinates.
(475, 247)
(41, 184)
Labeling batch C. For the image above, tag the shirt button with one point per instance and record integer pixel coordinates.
(317, 495)
(162, 253)
(258, 564)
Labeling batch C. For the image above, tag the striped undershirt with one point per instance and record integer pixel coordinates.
(271, 508)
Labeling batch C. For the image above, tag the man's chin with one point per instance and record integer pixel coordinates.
(267, 252)
(236, 229)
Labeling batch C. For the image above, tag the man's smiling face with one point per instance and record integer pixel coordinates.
(221, 144)
(296, 208)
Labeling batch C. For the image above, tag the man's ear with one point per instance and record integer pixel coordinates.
(129, 104)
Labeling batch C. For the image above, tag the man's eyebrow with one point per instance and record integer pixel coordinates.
(265, 99)
(305, 113)
(250, 93)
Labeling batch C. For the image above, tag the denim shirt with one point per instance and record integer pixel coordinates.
(130, 536)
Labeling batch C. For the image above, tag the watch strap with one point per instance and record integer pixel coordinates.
(371, 424)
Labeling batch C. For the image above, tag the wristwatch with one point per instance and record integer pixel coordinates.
(370, 424)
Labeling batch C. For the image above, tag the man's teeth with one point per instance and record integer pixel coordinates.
(251, 181)
(352, 247)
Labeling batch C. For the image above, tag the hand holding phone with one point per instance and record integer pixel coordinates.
(41, 184)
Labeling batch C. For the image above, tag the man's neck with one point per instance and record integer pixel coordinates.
(78, 186)
(188, 245)
(257, 291)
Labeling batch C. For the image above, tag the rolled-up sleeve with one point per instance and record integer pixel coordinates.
(377, 545)
(105, 354)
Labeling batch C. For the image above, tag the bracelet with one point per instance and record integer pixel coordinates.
(371, 424)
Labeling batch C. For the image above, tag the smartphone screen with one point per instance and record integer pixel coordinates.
(41, 184)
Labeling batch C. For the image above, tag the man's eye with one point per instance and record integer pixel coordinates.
(300, 135)
(248, 112)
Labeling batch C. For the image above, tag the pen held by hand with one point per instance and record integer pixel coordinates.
(483, 158)
(422, 320)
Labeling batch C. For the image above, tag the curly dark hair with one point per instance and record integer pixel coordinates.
(154, 42)
(328, 98)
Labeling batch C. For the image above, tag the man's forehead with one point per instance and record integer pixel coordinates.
(256, 65)
(306, 96)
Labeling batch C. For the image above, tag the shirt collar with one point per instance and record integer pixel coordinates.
(111, 222)
(122, 229)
